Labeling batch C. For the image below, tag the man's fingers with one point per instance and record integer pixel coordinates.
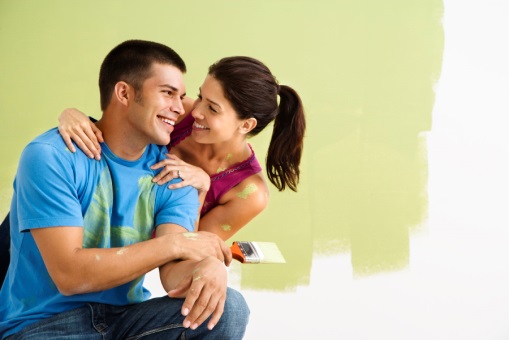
(181, 289)
(200, 306)
(213, 308)
(190, 306)
(218, 312)
(227, 253)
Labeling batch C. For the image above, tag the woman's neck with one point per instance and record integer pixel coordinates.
(213, 158)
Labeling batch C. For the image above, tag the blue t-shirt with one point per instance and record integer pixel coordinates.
(113, 200)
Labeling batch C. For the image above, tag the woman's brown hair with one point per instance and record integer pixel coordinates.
(252, 90)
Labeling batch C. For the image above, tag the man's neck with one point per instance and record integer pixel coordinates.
(120, 139)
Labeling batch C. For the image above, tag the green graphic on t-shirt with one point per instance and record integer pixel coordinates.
(101, 232)
(97, 218)
(144, 211)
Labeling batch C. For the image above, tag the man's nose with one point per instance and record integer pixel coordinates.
(178, 107)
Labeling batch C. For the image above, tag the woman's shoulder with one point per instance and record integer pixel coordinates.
(252, 189)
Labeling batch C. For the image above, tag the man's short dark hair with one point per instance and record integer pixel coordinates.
(132, 61)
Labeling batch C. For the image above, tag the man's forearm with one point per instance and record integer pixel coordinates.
(107, 268)
(83, 270)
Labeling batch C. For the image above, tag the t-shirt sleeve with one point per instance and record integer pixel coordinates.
(177, 206)
(45, 189)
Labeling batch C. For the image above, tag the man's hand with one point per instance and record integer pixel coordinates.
(205, 287)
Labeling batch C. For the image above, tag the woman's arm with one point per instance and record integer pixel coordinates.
(238, 207)
(75, 126)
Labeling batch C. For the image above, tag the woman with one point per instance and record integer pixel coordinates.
(209, 148)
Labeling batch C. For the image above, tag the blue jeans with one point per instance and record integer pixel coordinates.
(158, 318)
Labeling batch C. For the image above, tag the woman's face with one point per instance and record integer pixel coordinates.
(215, 119)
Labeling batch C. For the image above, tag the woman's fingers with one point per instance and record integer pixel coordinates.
(173, 167)
(89, 142)
(67, 140)
(163, 163)
(166, 174)
(79, 141)
(98, 134)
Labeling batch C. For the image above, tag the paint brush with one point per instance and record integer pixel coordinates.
(256, 252)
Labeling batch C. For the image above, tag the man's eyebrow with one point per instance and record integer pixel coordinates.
(173, 88)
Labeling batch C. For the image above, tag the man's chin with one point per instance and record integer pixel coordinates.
(163, 141)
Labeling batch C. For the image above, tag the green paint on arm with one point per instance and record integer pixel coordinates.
(121, 251)
(248, 190)
(190, 236)
(226, 227)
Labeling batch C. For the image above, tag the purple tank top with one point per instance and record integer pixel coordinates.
(223, 181)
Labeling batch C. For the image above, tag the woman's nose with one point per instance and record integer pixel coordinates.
(197, 112)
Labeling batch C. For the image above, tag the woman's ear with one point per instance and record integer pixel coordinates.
(122, 92)
(248, 125)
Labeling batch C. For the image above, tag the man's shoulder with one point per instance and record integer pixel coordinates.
(49, 149)
(53, 140)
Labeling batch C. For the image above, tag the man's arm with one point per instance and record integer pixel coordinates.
(78, 270)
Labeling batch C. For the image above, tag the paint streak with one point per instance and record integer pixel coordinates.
(122, 251)
(190, 236)
(97, 257)
(226, 227)
(228, 159)
(197, 278)
(248, 190)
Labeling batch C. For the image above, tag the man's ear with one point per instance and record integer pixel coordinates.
(122, 92)
(248, 125)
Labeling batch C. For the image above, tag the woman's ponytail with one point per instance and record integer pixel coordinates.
(286, 144)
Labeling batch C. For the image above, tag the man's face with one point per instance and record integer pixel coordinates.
(154, 111)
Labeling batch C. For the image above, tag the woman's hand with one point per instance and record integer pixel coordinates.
(75, 126)
(174, 167)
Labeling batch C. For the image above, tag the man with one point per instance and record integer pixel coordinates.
(81, 230)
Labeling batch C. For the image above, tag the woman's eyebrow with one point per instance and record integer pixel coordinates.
(213, 103)
(210, 101)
